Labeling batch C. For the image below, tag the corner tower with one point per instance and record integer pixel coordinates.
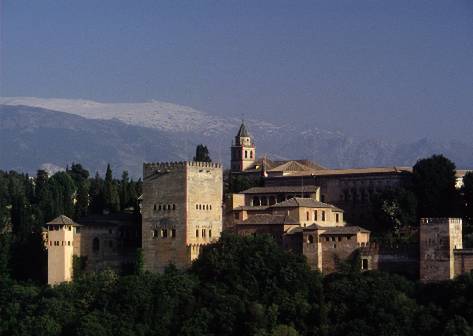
(243, 150)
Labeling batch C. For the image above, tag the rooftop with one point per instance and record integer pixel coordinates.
(62, 220)
(306, 203)
(268, 219)
(282, 189)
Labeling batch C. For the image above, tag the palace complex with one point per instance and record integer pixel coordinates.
(308, 209)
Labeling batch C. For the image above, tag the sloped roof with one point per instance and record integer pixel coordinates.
(304, 202)
(62, 220)
(333, 230)
(243, 132)
(268, 219)
(281, 189)
(352, 171)
(296, 165)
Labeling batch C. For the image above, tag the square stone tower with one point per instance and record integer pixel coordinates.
(439, 237)
(62, 243)
(181, 211)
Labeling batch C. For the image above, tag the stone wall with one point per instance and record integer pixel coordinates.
(463, 261)
(181, 210)
(439, 237)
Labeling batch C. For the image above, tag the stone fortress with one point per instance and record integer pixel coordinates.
(307, 208)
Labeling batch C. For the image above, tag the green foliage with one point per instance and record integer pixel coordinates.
(239, 183)
(393, 210)
(202, 154)
(434, 186)
(239, 286)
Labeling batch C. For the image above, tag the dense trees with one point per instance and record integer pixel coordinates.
(239, 286)
(202, 154)
(433, 182)
(27, 203)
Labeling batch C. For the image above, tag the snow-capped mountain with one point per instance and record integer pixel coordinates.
(129, 133)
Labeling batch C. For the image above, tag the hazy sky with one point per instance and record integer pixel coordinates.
(400, 69)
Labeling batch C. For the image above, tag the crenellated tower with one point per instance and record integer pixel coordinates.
(243, 150)
(181, 211)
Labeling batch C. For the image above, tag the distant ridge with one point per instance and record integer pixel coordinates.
(53, 132)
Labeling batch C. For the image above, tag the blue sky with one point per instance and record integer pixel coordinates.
(392, 69)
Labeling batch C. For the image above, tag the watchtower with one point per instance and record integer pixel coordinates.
(439, 237)
(62, 243)
(181, 211)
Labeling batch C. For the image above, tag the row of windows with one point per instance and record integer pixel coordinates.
(322, 217)
(203, 207)
(59, 227)
(162, 207)
(59, 243)
(164, 233)
(203, 233)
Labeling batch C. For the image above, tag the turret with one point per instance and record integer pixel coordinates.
(243, 150)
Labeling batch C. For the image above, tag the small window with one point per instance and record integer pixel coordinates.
(69, 243)
(310, 239)
(339, 238)
(307, 215)
(210, 233)
(173, 233)
(246, 154)
(174, 206)
(251, 154)
(96, 244)
(337, 217)
(164, 233)
(210, 206)
(364, 264)
(197, 233)
(50, 243)
(160, 207)
(169, 206)
(154, 207)
(69, 227)
(237, 215)
(323, 216)
(203, 233)
(197, 207)
(315, 216)
(334, 245)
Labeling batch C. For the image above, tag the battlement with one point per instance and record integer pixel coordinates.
(181, 164)
(427, 221)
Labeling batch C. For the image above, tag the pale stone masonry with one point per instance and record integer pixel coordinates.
(439, 238)
(181, 211)
(60, 241)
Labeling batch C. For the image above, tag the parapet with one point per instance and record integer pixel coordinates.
(181, 164)
(445, 220)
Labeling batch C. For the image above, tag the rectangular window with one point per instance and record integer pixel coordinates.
(315, 216)
(337, 218)
(173, 233)
(197, 233)
(364, 264)
(307, 215)
(323, 216)
(237, 215)
(203, 233)
(210, 233)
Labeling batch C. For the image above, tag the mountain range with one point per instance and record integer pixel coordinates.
(53, 133)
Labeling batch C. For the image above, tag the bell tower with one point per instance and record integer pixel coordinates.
(243, 150)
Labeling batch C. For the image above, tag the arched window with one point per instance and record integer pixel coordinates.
(154, 207)
(246, 154)
(169, 206)
(251, 154)
(96, 244)
(307, 215)
(315, 216)
(264, 200)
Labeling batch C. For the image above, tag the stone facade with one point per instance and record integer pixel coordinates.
(60, 242)
(181, 211)
(439, 238)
